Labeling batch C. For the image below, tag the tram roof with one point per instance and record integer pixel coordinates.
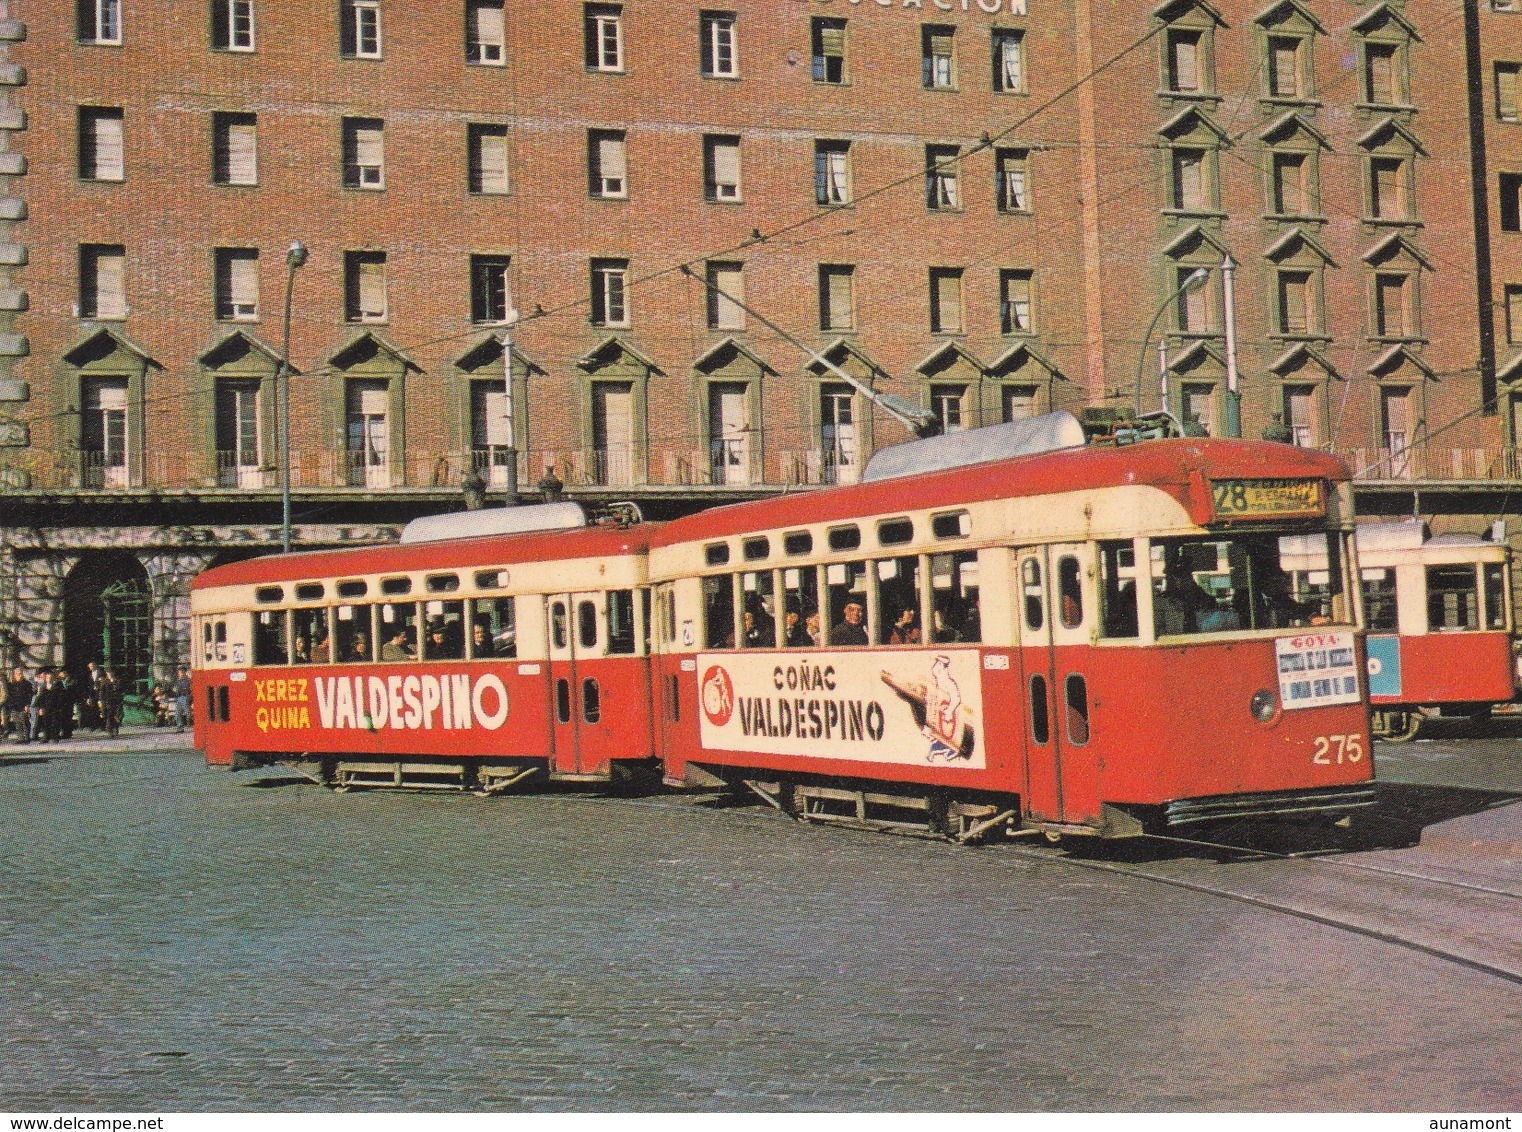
(1168, 465)
(487, 550)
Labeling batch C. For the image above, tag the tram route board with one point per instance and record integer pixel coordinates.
(1267, 498)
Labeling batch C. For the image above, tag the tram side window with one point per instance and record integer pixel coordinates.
(221, 638)
(758, 611)
(493, 628)
(620, 622)
(846, 584)
(1452, 599)
(397, 631)
(445, 635)
(800, 604)
(1033, 593)
(1495, 595)
(954, 611)
(1215, 585)
(352, 639)
(1069, 591)
(898, 601)
(586, 625)
(1117, 589)
(718, 612)
(269, 637)
(1380, 609)
(310, 644)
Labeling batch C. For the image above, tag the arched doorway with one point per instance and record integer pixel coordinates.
(108, 618)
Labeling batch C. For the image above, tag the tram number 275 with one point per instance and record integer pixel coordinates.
(1334, 750)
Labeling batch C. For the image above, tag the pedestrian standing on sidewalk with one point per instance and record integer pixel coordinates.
(182, 700)
(42, 706)
(15, 718)
(89, 707)
(111, 704)
(68, 693)
(24, 691)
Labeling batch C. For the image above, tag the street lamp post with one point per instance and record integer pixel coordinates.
(1196, 279)
(507, 381)
(1229, 300)
(294, 258)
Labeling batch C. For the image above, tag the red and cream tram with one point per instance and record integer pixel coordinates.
(1090, 640)
(1095, 640)
(1438, 613)
(479, 662)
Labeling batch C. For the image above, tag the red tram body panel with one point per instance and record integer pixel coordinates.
(1095, 640)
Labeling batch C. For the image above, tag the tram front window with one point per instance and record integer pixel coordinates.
(1453, 600)
(1246, 582)
(1495, 595)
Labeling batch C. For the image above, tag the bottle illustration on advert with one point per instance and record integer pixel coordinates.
(938, 710)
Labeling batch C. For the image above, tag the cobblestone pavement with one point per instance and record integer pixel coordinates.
(181, 939)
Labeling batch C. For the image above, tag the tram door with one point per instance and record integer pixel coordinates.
(1055, 603)
(576, 636)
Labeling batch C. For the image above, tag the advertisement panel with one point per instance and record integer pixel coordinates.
(1317, 669)
(918, 708)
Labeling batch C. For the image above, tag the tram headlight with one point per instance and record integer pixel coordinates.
(1263, 706)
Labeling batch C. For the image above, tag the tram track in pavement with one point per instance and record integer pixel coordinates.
(1470, 925)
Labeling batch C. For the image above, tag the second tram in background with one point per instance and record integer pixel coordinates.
(1439, 619)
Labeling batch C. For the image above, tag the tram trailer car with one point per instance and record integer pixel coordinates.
(1100, 641)
(1439, 621)
(463, 663)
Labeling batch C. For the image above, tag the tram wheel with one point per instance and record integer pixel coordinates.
(1397, 726)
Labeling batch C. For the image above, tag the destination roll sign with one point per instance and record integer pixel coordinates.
(1268, 498)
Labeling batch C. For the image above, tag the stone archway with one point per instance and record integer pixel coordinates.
(108, 617)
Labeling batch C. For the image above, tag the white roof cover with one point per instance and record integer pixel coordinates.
(976, 446)
(495, 521)
(1405, 534)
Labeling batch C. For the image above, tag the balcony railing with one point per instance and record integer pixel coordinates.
(624, 468)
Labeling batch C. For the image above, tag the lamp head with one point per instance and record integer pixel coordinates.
(296, 255)
(1198, 279)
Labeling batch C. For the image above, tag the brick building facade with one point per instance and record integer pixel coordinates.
(975, 204)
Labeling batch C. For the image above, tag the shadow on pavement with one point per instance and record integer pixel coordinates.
(23, 760)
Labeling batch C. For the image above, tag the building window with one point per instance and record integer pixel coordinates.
(1012, 167)
(941, 178)
(721, 168)
(1193, 308)
(1197, 404)
(489, 430)
(360, 29)
(1511, 201)
(1290, 175)
(729, 432)
(1395, 414)
(490, 296)
(237, 284)
(613, 433)
(1506, 91)
(1009, 62)
(485, 33)
(839, 454)
(829, 47)
(234, 149)
(938, 61)
(832, 172)
(836, 296)
(102, 281)
(718, 47)
(726, 293)
(948, 402)
(945, 300)
(1183, 59)
(1015, 313)
(240, 457)
(1190, 188)
(103, 433)
(1387, 188)
(1513, 301)
(368, 434)
(364, 153)
(1392, 309)
(365, 286)
(606, 165)
(1300, 415)
(487, 149)
(232, 25)
(1296, 308)
(100, 21)
(609, 302)
(1017, 403)
(1381, 75)
(604, 29)
(1286, 67)
(100, 143)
